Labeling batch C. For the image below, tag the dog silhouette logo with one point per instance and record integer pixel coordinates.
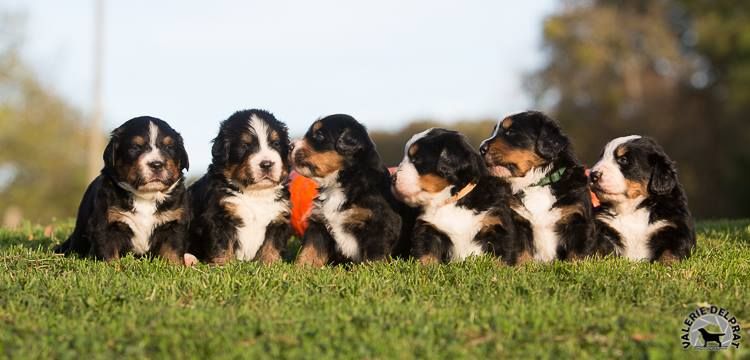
(711, 328)
(707, 336)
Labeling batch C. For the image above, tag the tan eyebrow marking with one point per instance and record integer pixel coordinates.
(507, 122)
(621, 151)
(413, 149)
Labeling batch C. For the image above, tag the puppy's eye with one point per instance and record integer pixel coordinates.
(623, 160)
(319, 137)
(134, 147)
(275, 144)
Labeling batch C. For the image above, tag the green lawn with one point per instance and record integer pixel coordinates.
(55, 307)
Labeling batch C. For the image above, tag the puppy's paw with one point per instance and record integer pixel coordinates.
(190, 260)
(310, 256)
(428, 260)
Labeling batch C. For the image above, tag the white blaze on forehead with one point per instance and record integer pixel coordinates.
(416, 137)
(152, 154)
(265, 151)
(261, 129)
(609, 149)
(153, 133)
(498, 125)
(494, 132)
(612, 180)
(407, 182)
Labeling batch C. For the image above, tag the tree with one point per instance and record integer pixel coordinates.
(42, 141)
(663, 68)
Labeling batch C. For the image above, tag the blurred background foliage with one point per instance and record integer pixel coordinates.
(42, 141)
(676, 70)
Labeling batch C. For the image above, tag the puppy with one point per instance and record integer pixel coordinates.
(137, 204)
(644, 213)
(532, 153)
(355, 217)
(464, 210)
(240, 208)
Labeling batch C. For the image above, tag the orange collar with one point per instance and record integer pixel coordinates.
(463, 192)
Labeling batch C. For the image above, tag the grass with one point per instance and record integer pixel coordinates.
(55, 307)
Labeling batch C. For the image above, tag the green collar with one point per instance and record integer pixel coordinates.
(552, 178)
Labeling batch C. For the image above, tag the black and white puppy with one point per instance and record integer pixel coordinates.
(240, 208)
(464, 211)
(137, 204)
(355, 217)
(644, 213)
(530, 150)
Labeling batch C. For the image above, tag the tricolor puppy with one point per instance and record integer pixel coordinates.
(355, 217)
(137, 204)
(644, 213)
(463, 210)
(531, 152)
(240, 208)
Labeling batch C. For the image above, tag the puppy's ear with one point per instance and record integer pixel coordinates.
(446, 166)
(551, 141)
(220, 150)
(284, 139)
(347, 144)
(182, 155)
(111, 150)
(460, 168)
(663, 174)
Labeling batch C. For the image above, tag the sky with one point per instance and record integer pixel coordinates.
(193, 63)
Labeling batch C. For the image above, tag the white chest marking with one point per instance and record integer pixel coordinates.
(459, 224)
(635, 231)
(142, 219)
(257, 210)
(142, 223)
(331, 199)
(537, 209)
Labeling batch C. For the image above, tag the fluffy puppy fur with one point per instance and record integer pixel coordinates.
(137, 204)
(463, 210)
(240, 208)
(644, 213)
(355, 217)
(530, 150)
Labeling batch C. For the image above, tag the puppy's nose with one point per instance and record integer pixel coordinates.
(266, 164)
(156, 165)
(595, 176)
(483, 148)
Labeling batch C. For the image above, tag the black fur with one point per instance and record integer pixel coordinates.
(447, 155)
(344, 144)
(537, 133)
(98, 236)
(213, 227)
(646, 162)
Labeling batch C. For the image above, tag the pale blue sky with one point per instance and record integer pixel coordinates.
(385, 62)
